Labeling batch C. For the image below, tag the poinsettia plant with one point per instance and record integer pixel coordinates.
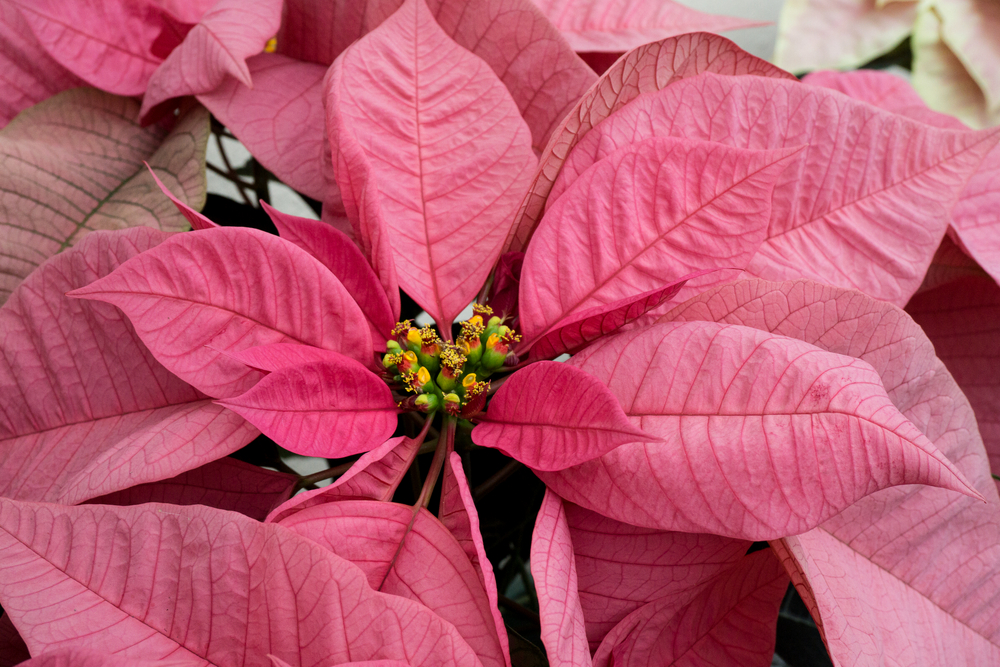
(682, 282)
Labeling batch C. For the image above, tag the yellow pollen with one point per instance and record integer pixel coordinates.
(428, 335)
(400, 327)
(480, 309)
(423, 376)
(453, 359)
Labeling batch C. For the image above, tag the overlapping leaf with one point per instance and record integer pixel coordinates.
(523, 49)
(976, 216)
(622, 25)
(431, 140)
(375, 476)
(332, 408)
(407, 552)
(884, 90)
(907, 564)
(648, 68)
(975, 219)
(458, 514)
(599, 321)
(78, 658)
(642, 218)
(278, 356)
(28, 74)
(199, 583)
(280, 120)
(839, 34)
(226, 484)
(551, 416)
(216, 48)
(113, 45)
(622, 567)
(199, 295)
(554, 571)
(87, 410)
(194, 218)
(730, 620)
(870, 200)
(74, 163)
(343, 257)
(763, 436)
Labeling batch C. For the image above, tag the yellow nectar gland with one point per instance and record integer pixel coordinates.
(457, 367)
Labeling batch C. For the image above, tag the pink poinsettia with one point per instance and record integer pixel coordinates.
(161, 50)
(958, 310)
(815, 417)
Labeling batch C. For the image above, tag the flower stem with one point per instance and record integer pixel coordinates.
(337, 471)
(445, 446)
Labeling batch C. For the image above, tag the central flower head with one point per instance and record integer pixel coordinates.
(449, 376)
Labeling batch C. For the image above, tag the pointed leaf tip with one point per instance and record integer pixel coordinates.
(753, 425)
(191, 294)
(876, 234)
(197, 220)
(330, 408)
(651, 212)
(445, 192)
(551, 416)
(87, 410)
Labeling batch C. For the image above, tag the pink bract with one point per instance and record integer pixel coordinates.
(216, 48)
(187, 279)
(450, 191)
(665, 413)
(291, 598)
(87, 409)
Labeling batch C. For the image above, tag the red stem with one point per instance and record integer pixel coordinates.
(445, 446)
